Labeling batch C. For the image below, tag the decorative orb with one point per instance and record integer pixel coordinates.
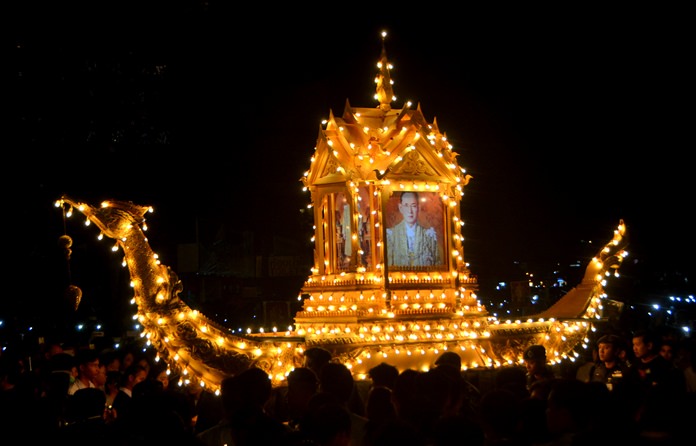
(64, 241)
(73, 295)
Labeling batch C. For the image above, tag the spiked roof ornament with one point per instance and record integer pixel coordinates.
(385, 93)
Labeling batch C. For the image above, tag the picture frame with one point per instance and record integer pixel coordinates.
(415, 231)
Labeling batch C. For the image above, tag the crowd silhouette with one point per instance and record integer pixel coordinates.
(637, 388)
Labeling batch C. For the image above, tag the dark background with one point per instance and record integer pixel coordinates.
(569, 118)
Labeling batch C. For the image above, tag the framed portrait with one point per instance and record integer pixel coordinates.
(342, 223)
(366, 227)
(415, 231)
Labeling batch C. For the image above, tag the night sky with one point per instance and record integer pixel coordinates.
(568, 119)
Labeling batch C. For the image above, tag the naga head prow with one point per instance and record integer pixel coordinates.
(609, 257)
(114, 218)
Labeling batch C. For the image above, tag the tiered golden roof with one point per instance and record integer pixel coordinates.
(361, 160)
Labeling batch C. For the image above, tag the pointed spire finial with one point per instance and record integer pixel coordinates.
(385, 93)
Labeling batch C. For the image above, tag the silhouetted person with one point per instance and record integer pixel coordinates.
(328, 422)
(16, 403)
(609, 368)
(245, 422)
(658, 394)
(568, 413)
(157, 416)
(337, 380)
(383, 374)
(535, 362)
(303, 383)
(88, 420)
(406, 396)
(133, 375)
(315, 358)
(205, 407)
(87, 361)
(513, 379)
(380, 412)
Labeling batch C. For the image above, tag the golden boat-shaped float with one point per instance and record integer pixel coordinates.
(371, 296)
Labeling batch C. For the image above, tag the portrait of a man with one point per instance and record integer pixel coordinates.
(410, 242)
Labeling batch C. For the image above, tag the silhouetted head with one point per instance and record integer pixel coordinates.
(316, 357)
(535, 353)
(451, 358)
(249, 389)
(336, 379)
(383, 374)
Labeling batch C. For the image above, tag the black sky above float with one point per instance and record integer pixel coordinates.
(568, 124)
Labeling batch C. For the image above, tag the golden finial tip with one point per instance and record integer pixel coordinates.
(384, 34)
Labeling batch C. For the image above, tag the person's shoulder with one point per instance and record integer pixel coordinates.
(599, 365)
(548, 373)
(657, 363)
(663, 365)
(586, 371)
(220, 433)
(272, 428)
(357, 419)
(659, 359)
(74, 387)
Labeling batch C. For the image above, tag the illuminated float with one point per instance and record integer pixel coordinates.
(371, 297)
